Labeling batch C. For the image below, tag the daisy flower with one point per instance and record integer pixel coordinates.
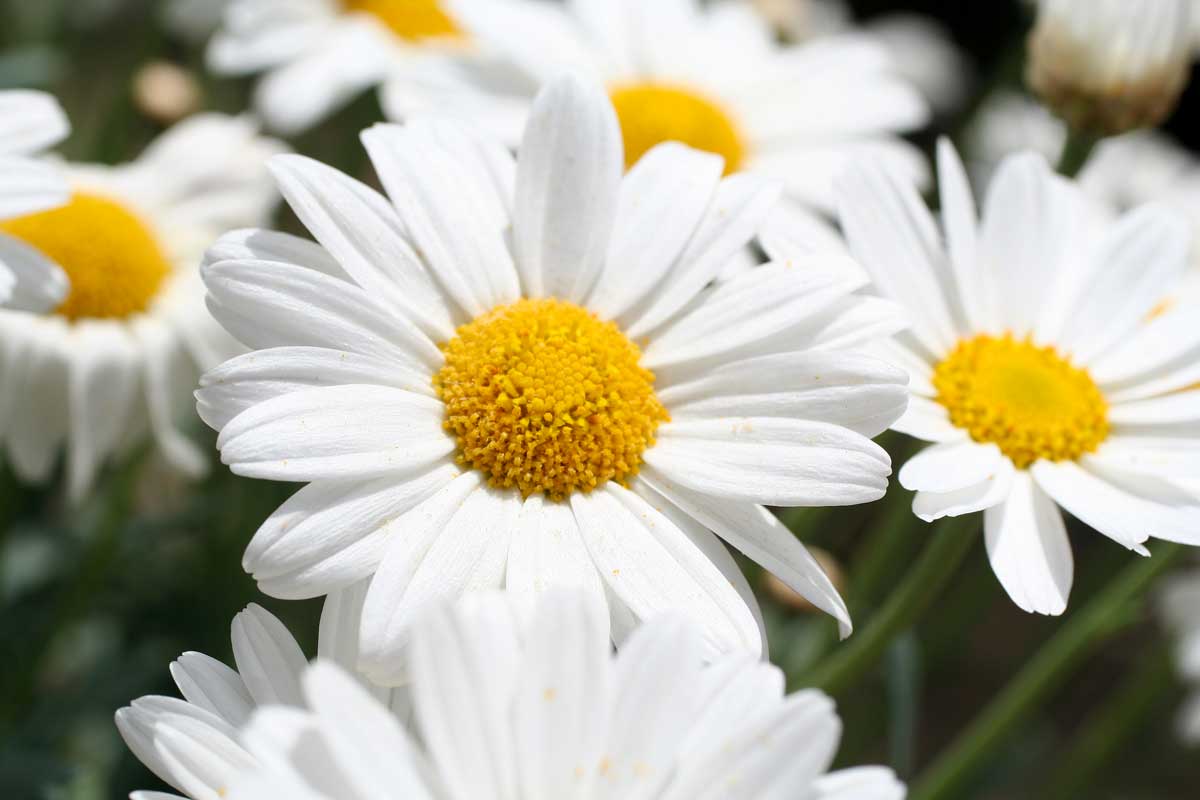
(1033, 368)
(513, 374)
(118, 355)
(29, 123)
(541, 708)
(193, 744)
(1181, 612)
(319, 54)
(1110, 66)
(714, 78)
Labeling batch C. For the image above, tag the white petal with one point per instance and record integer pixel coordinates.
(1143, 255)
(751, 308)
(860, 783)
(663, 200)
(991, 491)
(1029, 550)
(465, 663)
(772, 461)
(452, 230)
(547, 552)
(261, 375)
(203, 761)
(332, 533)
(743, 201)
(892, 235)
(560, 701)
(336, 432)
(29, 187)
(167, 368)
(653, 568)
(961, 223)
(267, 304)
(855, 391)
(757, 533)
(103, 378)
(36, 389)
(255, 244)
(213, 686)
(928, 421)
(1123, 517)
(952, 465)
(363, 233)
(371, 748)
(568, 181)
(30, 122)
(268, 658)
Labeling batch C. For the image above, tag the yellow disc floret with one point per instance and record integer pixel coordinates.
(115, 264)
(412, 20)
(544, 397)
(1028, 400)
(653, 113)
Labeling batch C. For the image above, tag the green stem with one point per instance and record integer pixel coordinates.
(951, 540)
(1076, 152)
(1080, 635)
(1115, 723)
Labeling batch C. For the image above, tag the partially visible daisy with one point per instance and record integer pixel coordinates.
(194, 744)
(30, 122)
(1111, 66)
(713, 78)
(1181, 610)
(540, 708)
(1033, 368)
(319, 54)
(115, 360)
(514, 374)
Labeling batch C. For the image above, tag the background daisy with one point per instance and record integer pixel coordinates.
(1181, 612)
(194, 744)
(512, 374)
(711, 77)
(540, 708)
(1041, 364)
(116, 359)
(30, 122)
(318, 54)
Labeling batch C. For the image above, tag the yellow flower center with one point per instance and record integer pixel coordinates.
(1028, 400)
(653, 113)
(115, 263)
(544, 397)
(412, 20)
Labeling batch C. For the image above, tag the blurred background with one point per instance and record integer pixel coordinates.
(96, 601)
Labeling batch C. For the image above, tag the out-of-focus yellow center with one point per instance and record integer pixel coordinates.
(412, 20)
(544, 397)
(1028, 400)
(653, 113)
(115, 263)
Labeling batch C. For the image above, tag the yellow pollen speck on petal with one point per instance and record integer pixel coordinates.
(1028, 400)
(653, 113)
(544, 397)
(412, 20)
(115, 263)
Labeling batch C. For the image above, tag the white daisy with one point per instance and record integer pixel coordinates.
(1181, 611)
(119, 355)
(319, 54)
(713, 78)
(1110, 66)
(194, 744)
(472, 374)
(541, 709)
(1033, 368)
(30, 122)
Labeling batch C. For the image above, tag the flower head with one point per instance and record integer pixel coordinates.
(508, 705)
(1042, 364)
(519, 374)
(1109, 66)
(117, 351)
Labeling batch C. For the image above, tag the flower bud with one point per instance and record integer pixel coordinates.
(165, 93)
(1110, 66)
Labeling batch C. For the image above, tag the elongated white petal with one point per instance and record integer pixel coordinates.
(1028, 547)
(568, 180)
